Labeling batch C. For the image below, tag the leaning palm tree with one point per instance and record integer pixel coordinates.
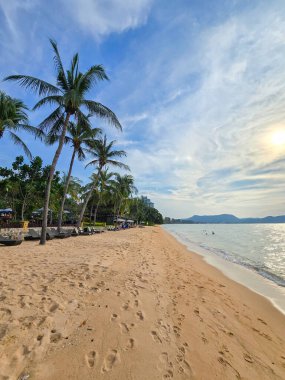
(104, 155)
(69, 97)
(13, 118)
(80, 136)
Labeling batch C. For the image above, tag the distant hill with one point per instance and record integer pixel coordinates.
(231, 219)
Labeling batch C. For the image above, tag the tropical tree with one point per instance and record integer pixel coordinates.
(68, 96)
(104, 154)
(80, 136)
(104, 183)
(73, 196)
(140, 211)
(13, 118)
(22, 186)
(123, 187)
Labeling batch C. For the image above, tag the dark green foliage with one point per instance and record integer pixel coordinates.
(143, 213)
(14, 119)
(22, 186)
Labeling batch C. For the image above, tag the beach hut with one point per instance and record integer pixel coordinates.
(118, 222)
(6, 213)
(130, 222)
(37, 214)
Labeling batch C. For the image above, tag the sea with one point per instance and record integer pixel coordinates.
(251, 254)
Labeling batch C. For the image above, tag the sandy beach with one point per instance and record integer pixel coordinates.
(133, 304)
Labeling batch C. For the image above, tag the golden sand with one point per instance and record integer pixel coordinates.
(133, 304)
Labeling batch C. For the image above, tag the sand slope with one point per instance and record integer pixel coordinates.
(130, 305)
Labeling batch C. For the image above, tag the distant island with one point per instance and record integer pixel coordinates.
(224, 219)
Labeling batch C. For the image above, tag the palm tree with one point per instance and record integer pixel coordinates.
(68, 96)
(80, 136)
(104, 155)
(13, 118)
(105, 180)
(123, 188)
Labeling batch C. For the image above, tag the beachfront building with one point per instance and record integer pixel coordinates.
(147, 201)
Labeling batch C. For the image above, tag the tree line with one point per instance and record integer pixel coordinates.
(68, 123)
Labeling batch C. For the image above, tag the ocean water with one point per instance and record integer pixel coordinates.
(259, 249)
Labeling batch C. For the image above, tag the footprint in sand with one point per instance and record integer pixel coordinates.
(165, 365)
(130, 345)
(185, 368)
(111, 359)
(114, 317)
(55, 336)
(125, 328)
(155, 337)
(54, 307)
(90, 358)
(3, 330)
(248, 358)
(204, 339)
(262, 321)
(134, 292)
(5, 314)
(126, 305)
(176, 331)
(140, 315)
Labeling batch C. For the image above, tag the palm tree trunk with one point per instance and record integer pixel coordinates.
(50, 178)
(87, 199)
(23, 210)
(118, 213)
(65, 189)
(91, 208)
(96, 209)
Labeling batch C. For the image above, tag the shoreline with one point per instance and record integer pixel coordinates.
(133, 304)
(240, 274)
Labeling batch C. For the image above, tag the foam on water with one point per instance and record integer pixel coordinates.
(252, 254)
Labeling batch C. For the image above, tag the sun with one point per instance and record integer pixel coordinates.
(278, 137)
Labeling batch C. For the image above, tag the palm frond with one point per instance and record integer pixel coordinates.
(49, 121)
(81, 154)
(61, 78)
(103, 112)
(36, 85)
(117, 153)
(49, 100)
(93, 162)
(119, 165)
(18, 141)
(91, 77)
(37, 132)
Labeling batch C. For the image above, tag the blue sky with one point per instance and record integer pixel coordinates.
(199, 87)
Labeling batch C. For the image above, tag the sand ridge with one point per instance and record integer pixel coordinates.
(133, 304)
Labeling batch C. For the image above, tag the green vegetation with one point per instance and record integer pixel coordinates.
(68, 97)
(28, 186)
(13, 118)
(22, 187)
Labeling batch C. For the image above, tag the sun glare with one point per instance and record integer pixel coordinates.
(278, 137)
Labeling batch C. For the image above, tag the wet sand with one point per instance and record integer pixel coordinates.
(133, 304)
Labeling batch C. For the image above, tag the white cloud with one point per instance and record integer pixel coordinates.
(220, 124)
(101, 17)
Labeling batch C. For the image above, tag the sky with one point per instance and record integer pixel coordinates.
(198, 86)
